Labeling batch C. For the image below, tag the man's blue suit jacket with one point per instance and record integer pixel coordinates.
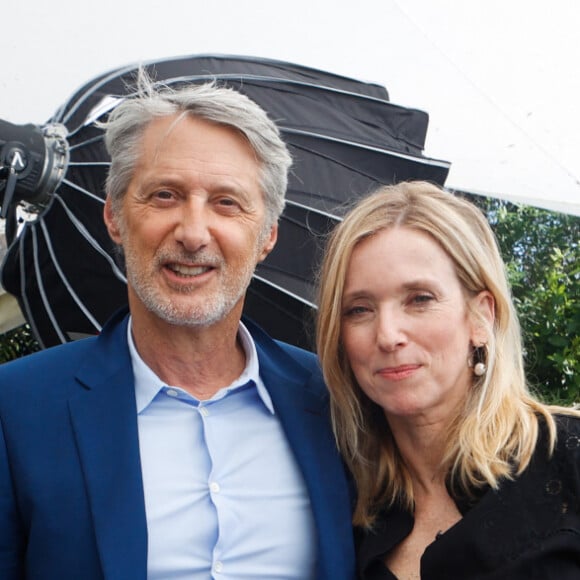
(71, 493)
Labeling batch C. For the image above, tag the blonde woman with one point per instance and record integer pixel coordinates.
(460, 472)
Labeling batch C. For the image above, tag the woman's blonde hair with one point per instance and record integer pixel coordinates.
(496, 433)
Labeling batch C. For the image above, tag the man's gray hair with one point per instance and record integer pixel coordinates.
(127, 123)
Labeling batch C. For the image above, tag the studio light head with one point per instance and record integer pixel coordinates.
(33, 161)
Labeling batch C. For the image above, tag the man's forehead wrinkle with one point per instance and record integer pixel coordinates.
(189, 115)
(175, 171)
(157, 146)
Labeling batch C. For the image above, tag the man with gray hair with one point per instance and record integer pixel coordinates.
(181, 443)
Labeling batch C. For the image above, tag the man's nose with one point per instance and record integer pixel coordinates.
(193, 227)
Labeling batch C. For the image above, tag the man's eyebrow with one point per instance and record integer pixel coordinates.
(157, 180)
(224, 186)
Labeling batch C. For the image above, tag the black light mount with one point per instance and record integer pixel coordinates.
(33, 161)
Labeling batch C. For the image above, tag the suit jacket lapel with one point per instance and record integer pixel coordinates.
(104, 418)
(304, 414)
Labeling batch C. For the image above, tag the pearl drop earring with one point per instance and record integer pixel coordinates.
(477, 360)
(479, 369)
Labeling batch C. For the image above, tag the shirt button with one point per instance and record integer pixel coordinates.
(218, 567)
(172, 392)
(214, 487)
(204, 411)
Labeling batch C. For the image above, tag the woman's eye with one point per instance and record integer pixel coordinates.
(355, 311)
(422, 298)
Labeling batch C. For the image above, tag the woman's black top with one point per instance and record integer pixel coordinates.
(528, 529)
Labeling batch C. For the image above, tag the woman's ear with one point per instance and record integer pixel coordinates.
(483, 316)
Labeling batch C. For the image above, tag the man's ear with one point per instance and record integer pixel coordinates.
(483, 314)
(270, 242)
(111, 221)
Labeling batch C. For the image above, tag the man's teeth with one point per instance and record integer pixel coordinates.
(189, 270)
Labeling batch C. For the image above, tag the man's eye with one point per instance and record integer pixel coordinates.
(228, 204)
(163, 194)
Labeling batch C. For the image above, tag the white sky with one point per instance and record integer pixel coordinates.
(499, 78)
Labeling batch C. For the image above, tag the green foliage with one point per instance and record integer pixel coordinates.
(17, 343)
(541, 250)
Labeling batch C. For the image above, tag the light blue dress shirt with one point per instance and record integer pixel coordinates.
(224, 496)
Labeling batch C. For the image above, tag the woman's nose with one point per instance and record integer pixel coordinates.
(391, 332)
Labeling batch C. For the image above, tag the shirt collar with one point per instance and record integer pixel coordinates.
(148, 384)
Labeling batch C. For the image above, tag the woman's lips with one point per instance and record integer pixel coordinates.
(398, 373)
